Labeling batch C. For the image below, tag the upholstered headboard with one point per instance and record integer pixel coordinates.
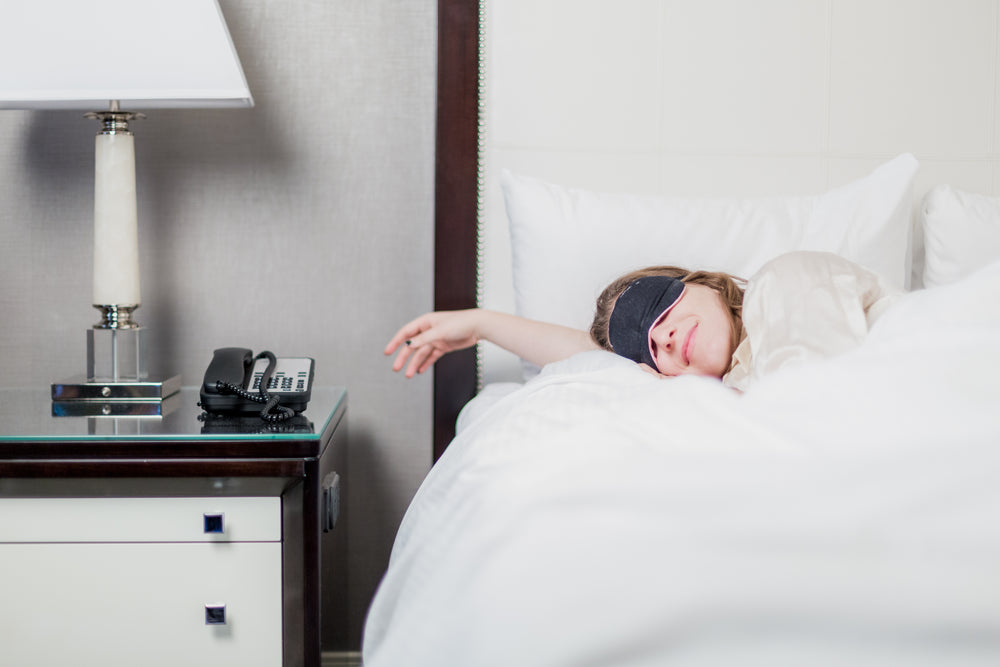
(691, 98)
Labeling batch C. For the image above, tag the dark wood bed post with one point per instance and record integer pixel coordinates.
(456, 201)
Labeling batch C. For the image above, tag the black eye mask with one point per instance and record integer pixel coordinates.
(635, 312)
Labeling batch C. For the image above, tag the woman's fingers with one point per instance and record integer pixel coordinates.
(417, 358)
(411, 346)
(408, 331)
(401, 358)
(422, 358)
(431, 360)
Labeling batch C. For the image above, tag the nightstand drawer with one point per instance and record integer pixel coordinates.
(216, 519)
(103, 605)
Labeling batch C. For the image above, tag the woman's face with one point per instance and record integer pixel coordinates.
(694, 336)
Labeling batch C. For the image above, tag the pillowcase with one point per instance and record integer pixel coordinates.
(961, 233)
(567, 244)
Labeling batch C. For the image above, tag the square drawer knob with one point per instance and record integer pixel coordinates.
(215, 523)
(215, 614)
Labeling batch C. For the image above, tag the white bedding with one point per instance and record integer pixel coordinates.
(840, 512)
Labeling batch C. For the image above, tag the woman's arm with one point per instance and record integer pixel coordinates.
(431, 336)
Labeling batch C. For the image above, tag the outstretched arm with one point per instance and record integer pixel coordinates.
(429, 337)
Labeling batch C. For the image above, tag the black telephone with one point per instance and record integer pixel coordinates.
(237, 382)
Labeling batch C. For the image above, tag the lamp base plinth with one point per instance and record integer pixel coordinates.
(116, 373)
(80, 388)
(116, 355)
(78, 398)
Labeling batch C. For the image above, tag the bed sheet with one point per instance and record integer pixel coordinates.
(840, 512)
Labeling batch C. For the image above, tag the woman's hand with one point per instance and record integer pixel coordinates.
(431, 336)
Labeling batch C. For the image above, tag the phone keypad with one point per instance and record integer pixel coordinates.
(291, 375)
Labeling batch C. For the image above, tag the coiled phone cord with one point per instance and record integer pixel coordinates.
(272, 412)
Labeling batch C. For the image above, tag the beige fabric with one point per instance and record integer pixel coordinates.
(805, 306)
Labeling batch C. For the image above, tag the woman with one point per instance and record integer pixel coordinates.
(670, 320)
(798, 307)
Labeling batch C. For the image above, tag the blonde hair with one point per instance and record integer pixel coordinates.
(730, 289)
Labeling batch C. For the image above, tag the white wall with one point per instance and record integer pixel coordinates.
(728, 97)
(304, 225)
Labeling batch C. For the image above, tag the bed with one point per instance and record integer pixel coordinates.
(840, 511)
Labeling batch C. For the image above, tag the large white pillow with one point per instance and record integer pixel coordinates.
(961, 233)
(568, 243)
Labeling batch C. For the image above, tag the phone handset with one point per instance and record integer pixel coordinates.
(237, 381)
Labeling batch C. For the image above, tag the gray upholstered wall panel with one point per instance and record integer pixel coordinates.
(304, 225)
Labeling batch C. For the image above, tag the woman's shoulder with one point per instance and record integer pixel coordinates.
(807, 260)
(811, 267)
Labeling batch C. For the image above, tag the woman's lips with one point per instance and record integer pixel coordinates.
(688, 347)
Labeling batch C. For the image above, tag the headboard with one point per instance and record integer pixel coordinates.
(456, 201)
(692, 98)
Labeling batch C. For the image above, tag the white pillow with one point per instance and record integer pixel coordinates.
(567, 244)
(961, 233)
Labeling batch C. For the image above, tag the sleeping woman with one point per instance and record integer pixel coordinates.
(671, 321)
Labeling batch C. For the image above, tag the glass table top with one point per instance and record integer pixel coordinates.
(33, 415)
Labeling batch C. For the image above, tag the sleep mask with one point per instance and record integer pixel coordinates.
(636, 311)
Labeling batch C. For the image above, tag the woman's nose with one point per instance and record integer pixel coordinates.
(664, 337)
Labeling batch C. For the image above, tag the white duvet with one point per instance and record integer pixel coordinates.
(842, 511)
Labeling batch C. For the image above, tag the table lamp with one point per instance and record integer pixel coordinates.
(113, 62)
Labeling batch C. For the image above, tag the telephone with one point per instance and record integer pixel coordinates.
(237, 382)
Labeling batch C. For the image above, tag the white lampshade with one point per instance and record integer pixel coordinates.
(68, 54)
(116, 60)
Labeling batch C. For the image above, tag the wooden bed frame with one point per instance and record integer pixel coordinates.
(456, 201)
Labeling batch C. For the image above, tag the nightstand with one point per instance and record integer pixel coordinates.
(168, 540)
